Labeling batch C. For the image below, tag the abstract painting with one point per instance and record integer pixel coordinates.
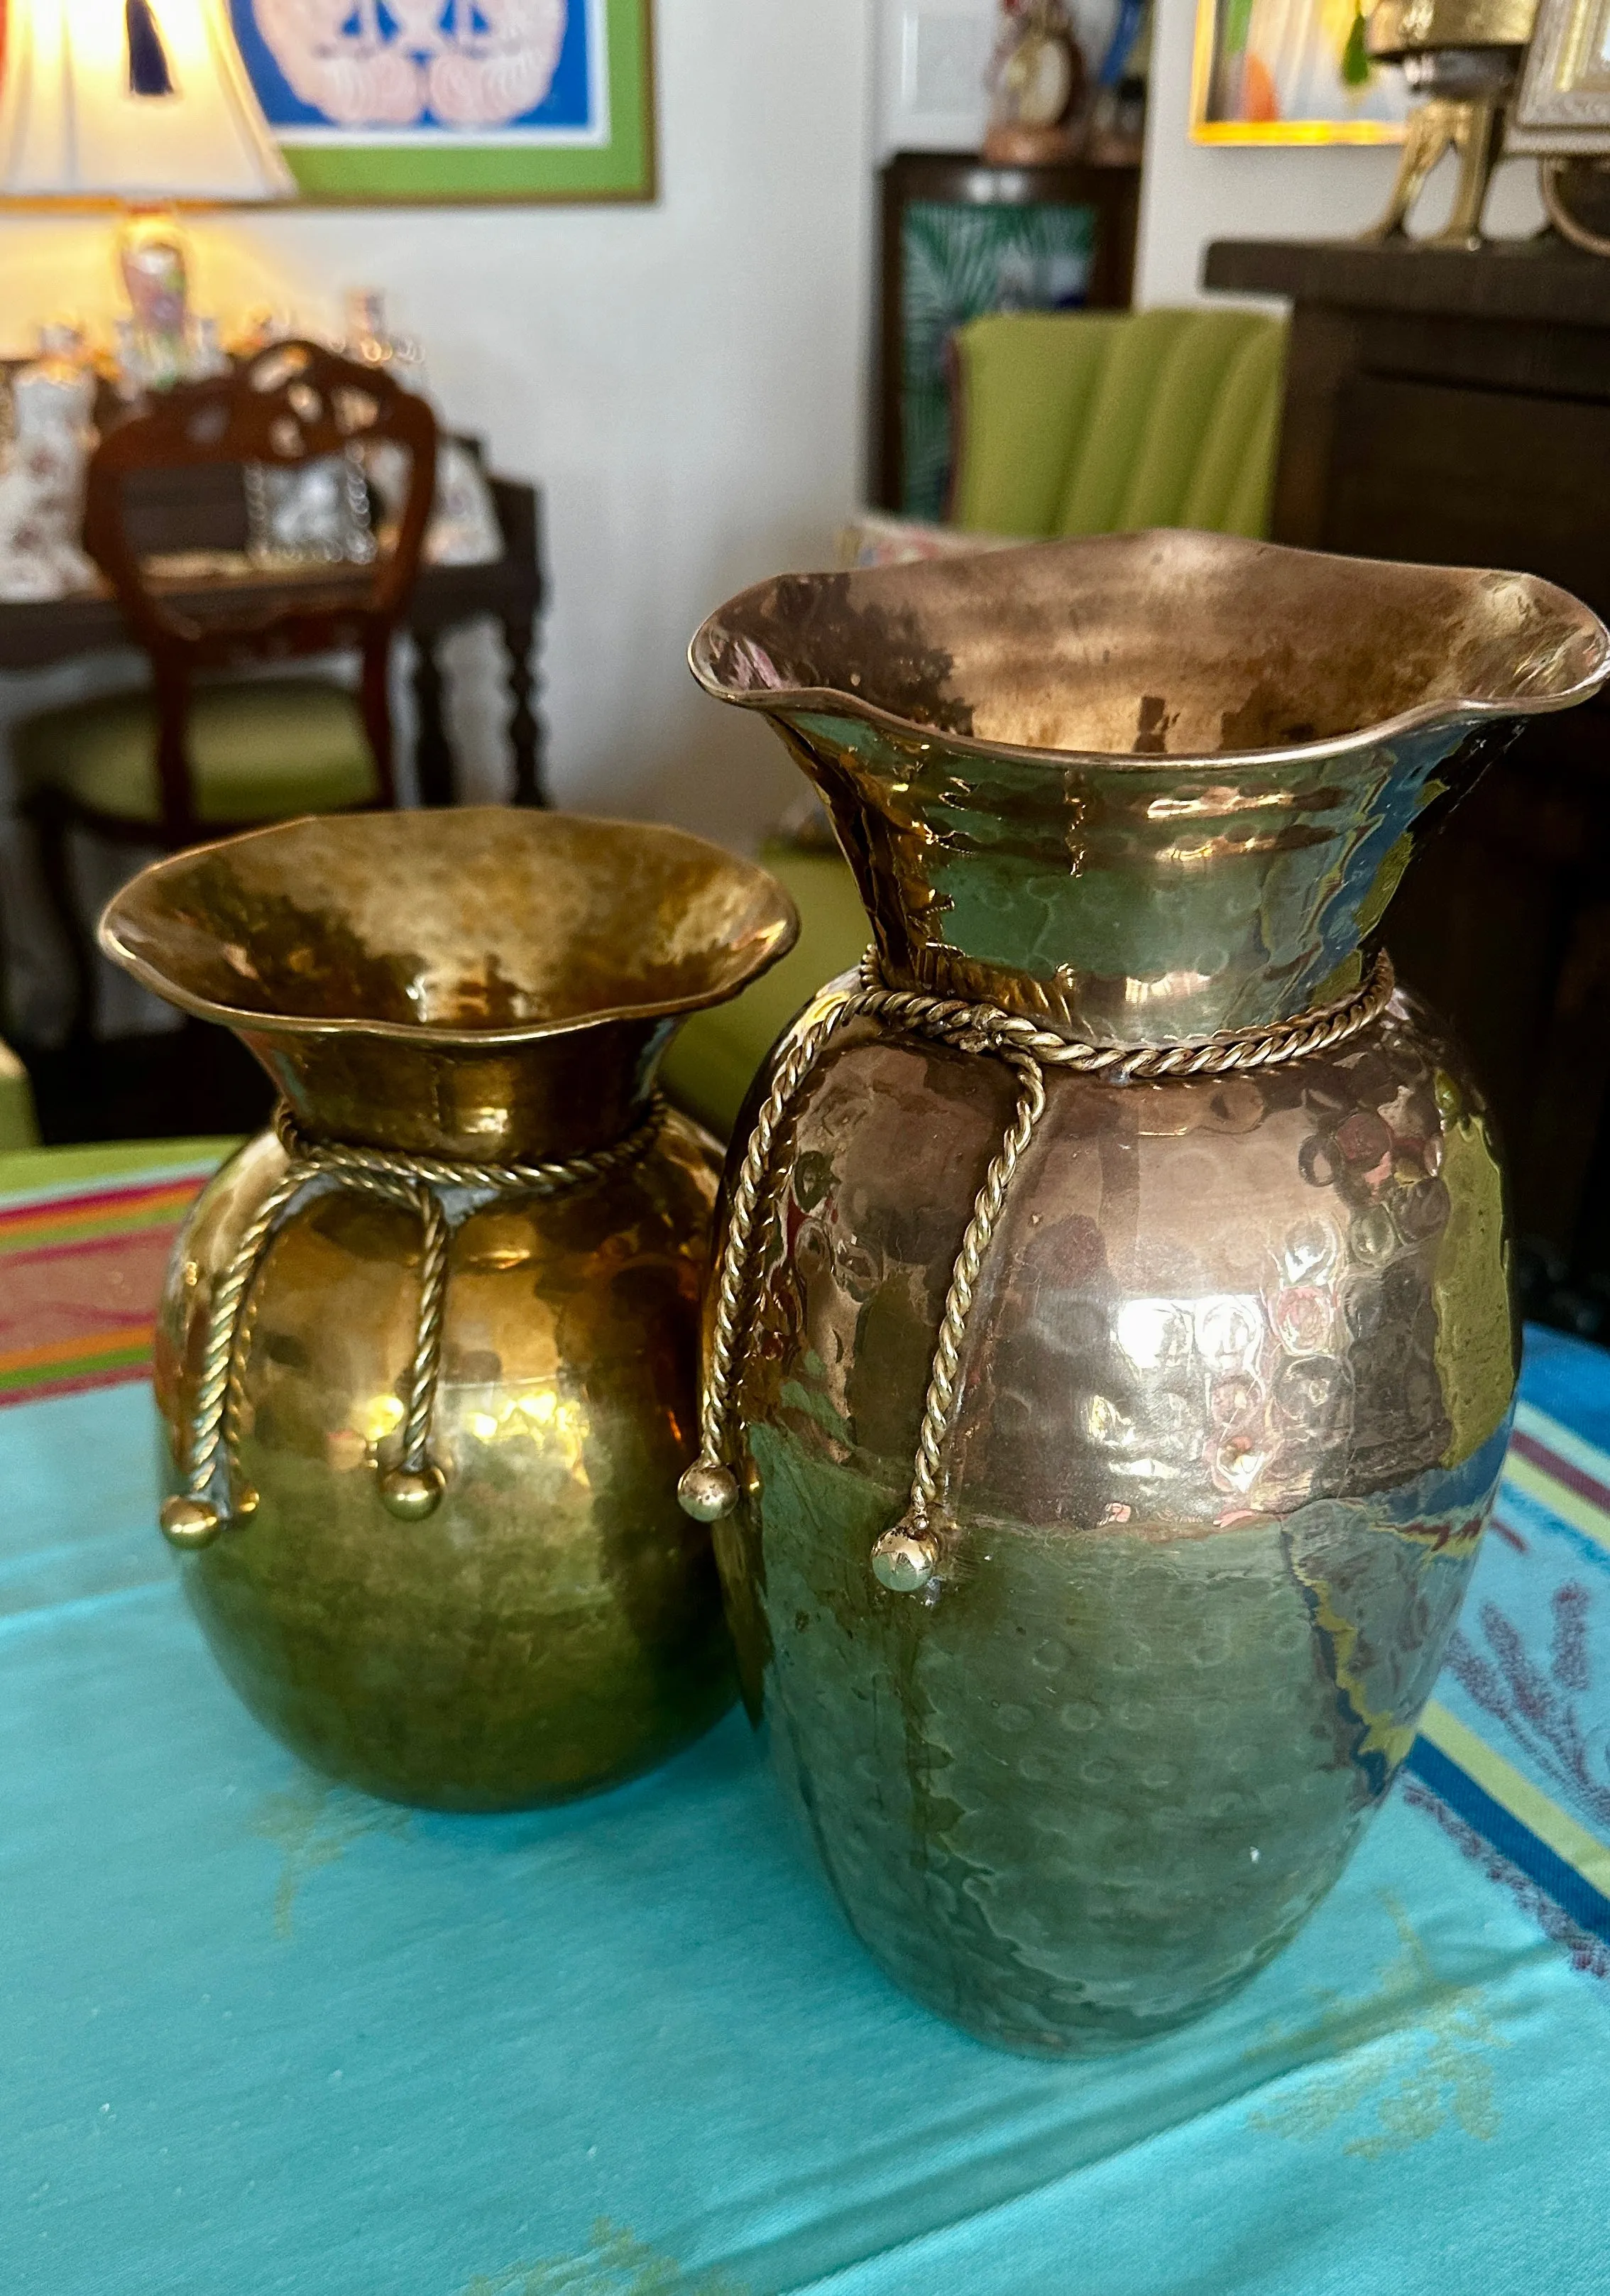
(1291, 71)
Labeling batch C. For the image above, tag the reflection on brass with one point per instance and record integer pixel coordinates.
(1463, 57)
(1230, 1390)
(909, 1557)
(473, 1590)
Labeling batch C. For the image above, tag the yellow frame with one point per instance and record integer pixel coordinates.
(1204, 130)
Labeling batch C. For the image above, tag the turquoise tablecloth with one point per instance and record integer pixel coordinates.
(259, 2034)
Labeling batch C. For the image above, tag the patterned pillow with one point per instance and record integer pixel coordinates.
(877, 537)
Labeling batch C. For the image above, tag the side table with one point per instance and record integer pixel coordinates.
(510, 590)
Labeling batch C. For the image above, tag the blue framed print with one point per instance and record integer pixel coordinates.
(456, 100)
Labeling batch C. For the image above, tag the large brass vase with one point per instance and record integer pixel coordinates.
(531, 1617)
(1241, 1355)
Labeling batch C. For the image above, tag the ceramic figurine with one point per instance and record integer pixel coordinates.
(42, 473)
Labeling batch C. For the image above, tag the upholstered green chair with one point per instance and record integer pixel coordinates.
(202, 751)
(18, 1128)
(1103, 423)
(714, 1055)
(1084, 422)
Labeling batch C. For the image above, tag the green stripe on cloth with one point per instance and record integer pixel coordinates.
(84, 1237)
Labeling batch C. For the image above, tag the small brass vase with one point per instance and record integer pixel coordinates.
(1113, 1350)
(432, 1536)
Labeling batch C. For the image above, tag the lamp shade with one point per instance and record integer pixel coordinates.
(131, 100)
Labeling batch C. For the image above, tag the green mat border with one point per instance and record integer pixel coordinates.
(355, 173)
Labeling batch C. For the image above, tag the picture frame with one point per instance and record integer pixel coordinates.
(1563, 103)
(1291, 72)
(416, 111)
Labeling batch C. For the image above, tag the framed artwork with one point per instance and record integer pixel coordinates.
(959, 239)
(1291, 71)
(960, 262)
(456, 100)
(1564, 102)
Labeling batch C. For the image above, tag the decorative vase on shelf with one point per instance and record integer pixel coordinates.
(426, 1357)
(1113, 1350)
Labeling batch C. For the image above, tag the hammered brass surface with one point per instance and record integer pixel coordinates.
(388, 969)
(1236, 1376)
(489, 985)
(1142, 787)
(1215, 1509)
(555, 1625)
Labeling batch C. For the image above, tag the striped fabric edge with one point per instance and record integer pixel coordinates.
(1571, 1480)
(1568, 1477)
(93, 1213)
(32, 1211)
(1505, 1809)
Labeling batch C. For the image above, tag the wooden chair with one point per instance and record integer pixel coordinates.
(197, 756)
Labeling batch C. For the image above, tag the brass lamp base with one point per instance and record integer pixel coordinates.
(1472, 126)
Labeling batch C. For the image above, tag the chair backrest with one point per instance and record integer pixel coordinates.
(289, 404)
(1101, 422)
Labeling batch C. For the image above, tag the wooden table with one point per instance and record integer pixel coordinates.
(1455, 407)
(509, 590)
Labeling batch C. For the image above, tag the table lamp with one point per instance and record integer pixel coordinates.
(143, 103)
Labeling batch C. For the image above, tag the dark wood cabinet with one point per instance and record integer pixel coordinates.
(1455, 406)
(959, 239)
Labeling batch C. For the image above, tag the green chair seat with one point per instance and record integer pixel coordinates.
(18, 1128)
(261, 749)
(714, 1056)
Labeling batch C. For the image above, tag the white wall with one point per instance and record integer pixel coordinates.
(684, 380)
(1195, 193)
(933, 59)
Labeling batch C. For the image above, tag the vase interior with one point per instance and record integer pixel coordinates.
(1168, 643)
(481, 981)
(470, 921)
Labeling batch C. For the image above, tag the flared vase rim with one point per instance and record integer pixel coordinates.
(1442, 710)
(777, 933)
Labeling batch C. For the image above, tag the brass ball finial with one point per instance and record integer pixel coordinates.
(412, 1493)
(707, 1491)
(190, 1523)
(905, 1559)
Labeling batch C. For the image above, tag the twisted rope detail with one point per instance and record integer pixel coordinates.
(213, 1496)
(906, 1559)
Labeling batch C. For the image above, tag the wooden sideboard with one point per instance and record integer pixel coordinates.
(1455, 406)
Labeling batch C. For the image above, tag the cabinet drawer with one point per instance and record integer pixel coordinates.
(1473, 478)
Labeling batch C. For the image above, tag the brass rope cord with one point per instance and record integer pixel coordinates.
(212, 1497)
(906, 1558)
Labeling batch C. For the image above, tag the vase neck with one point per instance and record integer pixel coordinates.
(1127, 900)
(552, 1096)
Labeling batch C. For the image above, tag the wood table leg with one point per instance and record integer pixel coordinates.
(525, 730)
(433, 759)
(48, 818)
